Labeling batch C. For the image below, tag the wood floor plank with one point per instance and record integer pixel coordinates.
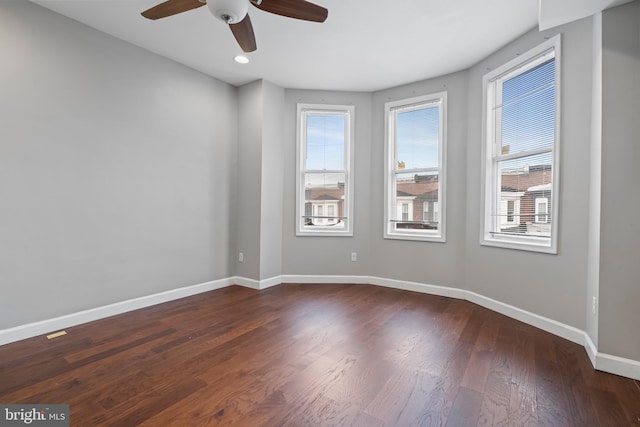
(414, 411)
(391, 399)
(523, 404)
(553, 408)
(497, 392)
(466, 408)
(477, 371)
(316, 355)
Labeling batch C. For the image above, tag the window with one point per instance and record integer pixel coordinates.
(405, 212)
(415, 175)
(511, 207)
(542, 210)
(324, 204)
(521, 151)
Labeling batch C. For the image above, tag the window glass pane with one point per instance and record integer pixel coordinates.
(529, 81)
(529, 123)
(324, 200)
(528, 110)
(417, 134)
(416, 201)
(325, 181)
(523, 182)
(325, 141)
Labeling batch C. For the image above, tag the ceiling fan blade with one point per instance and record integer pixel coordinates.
(298, 9)
(171, 7)
(243, 32)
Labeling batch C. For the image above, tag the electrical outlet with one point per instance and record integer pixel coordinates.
(594, 306)
(354, 257)
(241, 257)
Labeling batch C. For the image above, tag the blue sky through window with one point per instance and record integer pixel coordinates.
(325, 141)
(417, 138)
(528, 110)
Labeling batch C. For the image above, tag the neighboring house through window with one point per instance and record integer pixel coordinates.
(324, 204)
(520, 163)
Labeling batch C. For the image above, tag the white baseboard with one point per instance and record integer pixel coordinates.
(329, 279)
(601, 361)
(592, 350)
(256, 284)
(45, 326)
(247, 283)
(272, 281)
(549, 325)
(442, 291)
(618, 365)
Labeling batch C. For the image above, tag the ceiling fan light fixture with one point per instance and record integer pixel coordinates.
(229, 11)
(241, 59)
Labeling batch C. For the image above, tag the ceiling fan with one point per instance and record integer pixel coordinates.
(235, 13)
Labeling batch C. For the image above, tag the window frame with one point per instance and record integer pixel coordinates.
(302, 110)
(491, 155)
(390, 163)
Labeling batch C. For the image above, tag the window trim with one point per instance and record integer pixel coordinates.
(439, 98)
(514, 67)
(349, 111)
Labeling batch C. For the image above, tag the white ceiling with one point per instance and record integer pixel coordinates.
(362, 46)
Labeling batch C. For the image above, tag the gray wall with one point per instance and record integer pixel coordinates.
(620, 228)
(432, 263)
(247, 187)
(259, 183)
(114, 169)
(328, 255)
(272, 182)
(595, 179)
(553, 286)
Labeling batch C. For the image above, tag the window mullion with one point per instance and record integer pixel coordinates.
(521, 154)
(417, 170)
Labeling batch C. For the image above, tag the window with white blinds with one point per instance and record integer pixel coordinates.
(521, 151)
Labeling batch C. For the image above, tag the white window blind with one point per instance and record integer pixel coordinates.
(521, 147)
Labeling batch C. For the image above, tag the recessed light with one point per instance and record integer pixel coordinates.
(241, 59)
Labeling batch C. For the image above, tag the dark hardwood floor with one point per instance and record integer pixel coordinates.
(315, 355)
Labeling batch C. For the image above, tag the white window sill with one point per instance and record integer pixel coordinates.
(415, 236)
(324, 233)
(531, 244)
